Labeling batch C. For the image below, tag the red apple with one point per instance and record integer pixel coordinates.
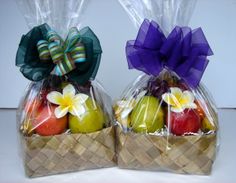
(184, 122)
(47, 124)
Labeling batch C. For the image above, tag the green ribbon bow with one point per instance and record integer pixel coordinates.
(43, 52)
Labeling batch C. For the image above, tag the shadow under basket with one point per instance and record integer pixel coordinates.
(178, 154)
(68, 152)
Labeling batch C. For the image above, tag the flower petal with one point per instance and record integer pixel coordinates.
(177, 109)
(55, 97)
(77, 110)
(68, 99)
(81, 98)
(166, 97)
(125, 113)
(170, 99)
(177, 92)
(187, 98)
(60, 111)
(179, 100)
(69, 89)
(190, 106)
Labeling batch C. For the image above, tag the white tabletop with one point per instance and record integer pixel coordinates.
(224, 170)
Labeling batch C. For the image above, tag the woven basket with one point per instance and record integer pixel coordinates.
(179, 154)
(68, 152)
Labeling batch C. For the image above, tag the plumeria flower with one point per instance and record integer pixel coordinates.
(68, 101)
(126, 106)
(178, 100)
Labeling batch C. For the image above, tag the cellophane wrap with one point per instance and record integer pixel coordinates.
(60, 15)
(167, 120)
(64, 120)
(167, 13)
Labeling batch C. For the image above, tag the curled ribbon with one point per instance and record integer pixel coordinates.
(64, 54)
(43, 52)
(183, 51)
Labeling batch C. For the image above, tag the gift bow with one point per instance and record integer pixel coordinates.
(64, 54)
(42, 52)
(184, 51)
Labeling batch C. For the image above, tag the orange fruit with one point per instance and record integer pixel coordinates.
(46, 123)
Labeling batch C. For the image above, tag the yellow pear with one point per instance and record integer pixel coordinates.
(92, 120)
(147, 116)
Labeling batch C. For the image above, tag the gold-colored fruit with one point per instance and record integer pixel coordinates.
(92, 120)
(147, 116)
(207, 125)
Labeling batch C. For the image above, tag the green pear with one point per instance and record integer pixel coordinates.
(92, 120)
(147, 116)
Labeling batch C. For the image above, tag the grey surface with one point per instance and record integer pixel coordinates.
(11, 169)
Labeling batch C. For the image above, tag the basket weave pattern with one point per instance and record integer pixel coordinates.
(179, 154)
(69, 152)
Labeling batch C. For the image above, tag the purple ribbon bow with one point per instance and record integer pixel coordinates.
(184, 51)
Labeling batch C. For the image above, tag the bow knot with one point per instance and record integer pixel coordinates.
(183, 51)
(63, 53)
(42, 52)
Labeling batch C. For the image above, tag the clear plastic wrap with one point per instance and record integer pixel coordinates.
(60, 15)
(166, 118)
(168, 13)
(65, 118)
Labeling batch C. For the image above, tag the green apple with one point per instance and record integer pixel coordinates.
(147, 116)
(92, 120)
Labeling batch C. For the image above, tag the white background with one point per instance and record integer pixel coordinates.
(112, 25)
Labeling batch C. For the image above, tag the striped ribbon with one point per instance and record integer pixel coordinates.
(63, 54)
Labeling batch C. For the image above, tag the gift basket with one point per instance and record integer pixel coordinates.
(65, 118)
(166, 118)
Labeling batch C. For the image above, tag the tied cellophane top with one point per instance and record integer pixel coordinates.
(61, 58)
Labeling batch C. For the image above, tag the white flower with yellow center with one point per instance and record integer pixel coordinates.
(68, 101)
(178, 100)
(126, 106)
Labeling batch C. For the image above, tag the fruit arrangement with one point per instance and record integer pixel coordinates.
(68, 122)
(165, 119)
(65, 118)
(59, 107)
(166, 105)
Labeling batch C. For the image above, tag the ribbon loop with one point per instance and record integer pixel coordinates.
(184, 52)
(52, 36)
(56, 52)
(44, 53)
(63, 54)
(75, 46)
